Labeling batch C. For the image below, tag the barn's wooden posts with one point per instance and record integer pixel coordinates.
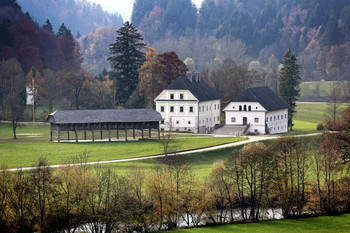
(105, 119)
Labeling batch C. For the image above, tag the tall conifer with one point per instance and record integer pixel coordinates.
(127, 57)
(289, 76)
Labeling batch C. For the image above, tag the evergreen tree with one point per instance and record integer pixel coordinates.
(127, 57)
(332, 32)
(289, 80)
(63, 30)
(48, 26)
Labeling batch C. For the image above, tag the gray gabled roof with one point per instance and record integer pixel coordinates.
(104, 115)
(265, 96)
(197, 86)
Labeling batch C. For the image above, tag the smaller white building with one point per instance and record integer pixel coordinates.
(259, 108)
(189, 104)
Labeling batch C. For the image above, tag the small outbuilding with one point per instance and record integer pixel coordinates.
(104, 119)
(260, 109)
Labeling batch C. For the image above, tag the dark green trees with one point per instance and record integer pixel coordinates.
(127, 57)
(289, 80)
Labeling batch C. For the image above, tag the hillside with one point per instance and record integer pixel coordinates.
(317, 31)
(78, 15)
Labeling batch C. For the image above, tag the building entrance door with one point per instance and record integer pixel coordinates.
(245, 121)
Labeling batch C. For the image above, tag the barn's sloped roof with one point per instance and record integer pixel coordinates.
(104, 115)
(265, 96)
(198, 87)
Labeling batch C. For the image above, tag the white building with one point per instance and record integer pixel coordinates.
(261, 109)
(189, 104)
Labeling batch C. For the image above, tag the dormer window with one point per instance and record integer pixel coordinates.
(171, 96)
(181, 96)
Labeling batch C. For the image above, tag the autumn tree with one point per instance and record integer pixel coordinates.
(291, 166)
(338, 135)
(333, 107)
(251, 171)
(149, 77)
(289, 80)
(12, 91)
(231, 79)
(127, 57)
(171, 67)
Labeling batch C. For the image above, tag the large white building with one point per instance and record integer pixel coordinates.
(259, 108)
(189, 104)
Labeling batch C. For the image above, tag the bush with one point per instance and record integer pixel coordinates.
(320, 127)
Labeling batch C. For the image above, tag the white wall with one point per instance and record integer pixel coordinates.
(187, 120)
(277, 121)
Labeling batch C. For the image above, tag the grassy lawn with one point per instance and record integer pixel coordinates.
(26, 150)
(324, 224)
(308, 116)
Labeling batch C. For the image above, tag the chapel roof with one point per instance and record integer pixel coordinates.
(263, 95)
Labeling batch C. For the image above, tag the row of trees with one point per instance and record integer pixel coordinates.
(292, 177)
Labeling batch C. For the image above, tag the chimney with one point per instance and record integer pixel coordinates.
(189, 75)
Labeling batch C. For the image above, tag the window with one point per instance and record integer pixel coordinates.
(249, 108)
(256, 107)
(171, 96)
(177, 122)
(191, 109)
(207, 108)
(233, 119)
(202, 108)
(270, 118)
(285, 115)
(214, 106)
(274, 118)
(233, 107)
(181, 96)
(162, 108)
(189, 122)
(267, 119)
(245, 107)
(162, 122)
(278, 117)
(181, 109)
(171, 108)
(282, 117)
(240, 107)
(218, 118)
(199, 109)
(256, 120)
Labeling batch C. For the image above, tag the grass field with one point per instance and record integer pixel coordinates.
(308, 116)
(318, 90)
(26, 150)
(323, 224)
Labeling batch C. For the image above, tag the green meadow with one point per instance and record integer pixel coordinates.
(323, 224)
(26, 150)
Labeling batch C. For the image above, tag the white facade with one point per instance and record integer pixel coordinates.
(181, 110)
(255, 115)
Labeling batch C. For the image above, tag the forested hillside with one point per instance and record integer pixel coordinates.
(317, 31)
(79, 15)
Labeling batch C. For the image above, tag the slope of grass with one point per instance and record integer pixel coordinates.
(321, 224)
(27, 153)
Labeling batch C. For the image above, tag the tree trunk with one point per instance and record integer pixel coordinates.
(14, 125)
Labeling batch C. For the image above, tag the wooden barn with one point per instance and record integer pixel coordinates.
(111, 120)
